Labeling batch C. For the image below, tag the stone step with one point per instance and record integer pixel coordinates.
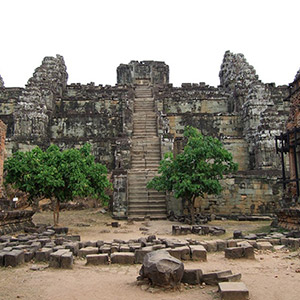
(152, 217)
(143, 94)
(146, 210)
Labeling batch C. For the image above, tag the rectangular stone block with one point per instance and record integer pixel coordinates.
(175, 252)
(105, 249)
(83, 252)
(211, 246)
(29, 255)
(2, 259)
(122, 258)
(124, 248)
(61, 259)
(248, 252)
(43, 254)
(97, 259)
(67, 260)
(293, 243)
(54, 261)
(73, 247)
(234, 252)
(14, 258)
(233, 291)
(213, 278)
(192, 276)
(264, 246)
(139, 254)
(221, 245)
(198, 252)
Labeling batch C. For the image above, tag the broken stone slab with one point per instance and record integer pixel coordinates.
(97, 259)
(234, 252)
(122, 258)
(192, 276)
(198, 252)
(233, 291)
(162, 269)
(213, 278)
(14, 258)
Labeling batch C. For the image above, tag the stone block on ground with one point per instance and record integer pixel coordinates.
(2, 254)
(213, 278)
(97, 259)
(14, 258)
(83, 252)
(234, 252)
(192, 276)
(105, 249)
(162, 269)
(264, 246)
(61, 259)
(29, 255)
(211, 246)
(43, 254)
(221, 245)
(122, 258)
(248, 252)
(140, 254)
(67, 260)
(233, 291)
(198, 252)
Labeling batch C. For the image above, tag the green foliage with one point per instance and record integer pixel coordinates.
(57, 174)
(197, 170)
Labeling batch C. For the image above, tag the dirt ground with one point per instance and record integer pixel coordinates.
(272, 275)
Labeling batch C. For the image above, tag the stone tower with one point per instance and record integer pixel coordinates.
(144, 72)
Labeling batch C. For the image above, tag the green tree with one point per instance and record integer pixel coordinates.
(196, 171)
(57, 175)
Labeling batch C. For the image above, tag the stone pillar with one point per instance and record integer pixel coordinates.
(2, 154)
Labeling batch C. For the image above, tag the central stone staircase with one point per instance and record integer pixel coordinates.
(145, 157)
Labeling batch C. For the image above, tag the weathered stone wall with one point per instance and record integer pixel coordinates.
(148, 71)
(2, 154)
(11, 221)
(245, 193)
(243, 112)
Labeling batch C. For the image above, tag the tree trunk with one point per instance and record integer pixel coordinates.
(192, 209)
(55, 206)
(57, 211)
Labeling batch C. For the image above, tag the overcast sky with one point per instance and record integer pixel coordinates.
(191, 36)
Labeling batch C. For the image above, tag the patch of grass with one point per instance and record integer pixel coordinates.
(262, 229)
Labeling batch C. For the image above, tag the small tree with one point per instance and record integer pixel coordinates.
(57, 175)
(196, 171)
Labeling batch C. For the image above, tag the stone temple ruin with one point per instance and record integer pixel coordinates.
(133, 124)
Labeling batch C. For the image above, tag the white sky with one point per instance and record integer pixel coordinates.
(191, 36)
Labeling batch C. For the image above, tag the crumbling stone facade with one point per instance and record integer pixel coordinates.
(2, 154)
(243, 112)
